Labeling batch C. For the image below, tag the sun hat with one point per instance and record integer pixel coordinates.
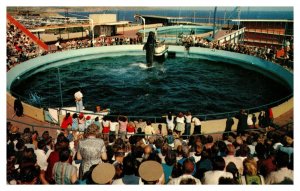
(103, 173)
(150, 170)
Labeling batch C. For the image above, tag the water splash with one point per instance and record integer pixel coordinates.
(141, 65)
(34, 98)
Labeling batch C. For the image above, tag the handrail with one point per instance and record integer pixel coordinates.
(202, 116)
(211, 133)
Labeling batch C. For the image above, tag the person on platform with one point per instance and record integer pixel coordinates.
(78, 99)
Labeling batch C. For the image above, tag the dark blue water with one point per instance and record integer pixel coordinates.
(199, 14)
(127, 86)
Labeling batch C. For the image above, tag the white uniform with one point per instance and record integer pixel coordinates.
(78, 98)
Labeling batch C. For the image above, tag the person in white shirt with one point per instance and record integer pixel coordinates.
(41, 155)
(197, 125)
(78, 99)
(212, 177)
(113, 127)
(170, 121)
(283, 174)
(232, 158)
(188, 121)
(188, 169)
(180, 125)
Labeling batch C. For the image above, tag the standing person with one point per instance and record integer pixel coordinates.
(123, 122)
(242, 124)
(78, 99)
(254, 119)
(129, 166)
(170, 121)
(81, 122)
(63, 171)
(75, 121)
(130, 129)
(106, 128)
(91, 150)
(180, 125)
(67, 121)
(197, 126)
(283, 174)
(113, 126)
(251, 175)
(187, 169)
(212, 176)
(170, 161)
(149, 129)
(150, 172)
(188, 121)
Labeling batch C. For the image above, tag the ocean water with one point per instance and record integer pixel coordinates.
(197, 15)
(127, 86)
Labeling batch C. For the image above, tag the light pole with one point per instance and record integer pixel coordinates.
(135, 16)
(92, 24)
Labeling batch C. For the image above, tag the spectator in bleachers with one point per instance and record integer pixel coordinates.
(188, 169)
(91, 150)
(63, 171)
(282, 174)
(212, 177)
(251, 175)
(61, 144)
(130, 165)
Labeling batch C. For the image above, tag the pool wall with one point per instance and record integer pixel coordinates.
(250, 62)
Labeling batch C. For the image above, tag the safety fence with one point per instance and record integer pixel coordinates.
(34, 127)
(54, 115)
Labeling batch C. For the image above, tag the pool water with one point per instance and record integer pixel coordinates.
(125, 85)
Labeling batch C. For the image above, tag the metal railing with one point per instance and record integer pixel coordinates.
(161, 119)
(289, 127)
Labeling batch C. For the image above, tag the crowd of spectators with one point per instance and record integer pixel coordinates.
(147, 156)
(118, 151)
(20, 48)
(281, 56)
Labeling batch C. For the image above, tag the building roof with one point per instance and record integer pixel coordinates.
(115, 23)
(160, 17)
(262, 20)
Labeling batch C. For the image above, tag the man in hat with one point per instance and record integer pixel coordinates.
(150, 172)
(103, 173)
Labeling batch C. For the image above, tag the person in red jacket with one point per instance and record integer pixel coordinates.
(67, 121)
